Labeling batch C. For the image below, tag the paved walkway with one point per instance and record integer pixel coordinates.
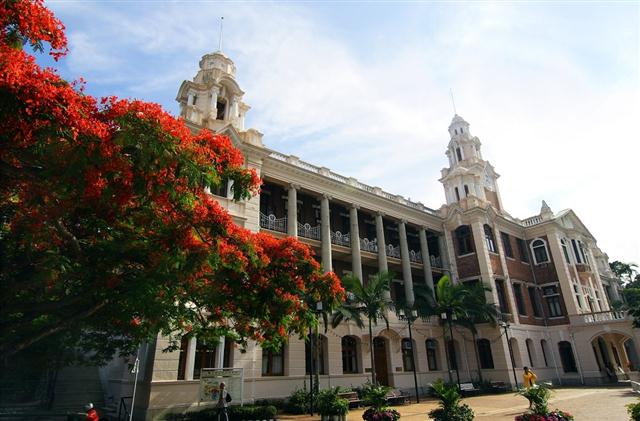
(584, 403)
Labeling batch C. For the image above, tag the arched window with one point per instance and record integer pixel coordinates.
(459, 154)
(464, 240)
(466, 190)
(349, 355)
(531, 352)
(567, 358)
(273, 362)
(484, 351)
(489, 239)
(457, 194)
(539, 248)
(407, 354)
(544, 346)
(432, 354)
(515, 348)
(453, 358)
(319, 358)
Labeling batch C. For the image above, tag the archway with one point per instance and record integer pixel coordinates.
(615, 354)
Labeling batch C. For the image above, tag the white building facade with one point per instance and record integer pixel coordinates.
(546, 273)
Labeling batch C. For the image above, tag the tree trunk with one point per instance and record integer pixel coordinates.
(373, 361)
(446, 350)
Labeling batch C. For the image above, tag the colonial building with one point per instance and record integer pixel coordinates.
(547, 275)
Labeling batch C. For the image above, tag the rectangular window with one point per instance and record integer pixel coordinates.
(554, 306)
(576, 251)
(502, 298)
(407, 355)
(535, 303)
(517, 291)
(522, 249)
(506, 243)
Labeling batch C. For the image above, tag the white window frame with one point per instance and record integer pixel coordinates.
(546, 249)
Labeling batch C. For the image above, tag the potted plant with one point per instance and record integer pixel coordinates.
(375, 396)
(538, 397)
(450, 408)
(332, 407)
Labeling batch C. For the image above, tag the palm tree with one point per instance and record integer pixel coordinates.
(477, 310)
(463, 305)
(370, 301)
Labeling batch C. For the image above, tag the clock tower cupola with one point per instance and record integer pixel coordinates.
(468, 174)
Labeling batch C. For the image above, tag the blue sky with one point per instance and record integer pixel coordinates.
(552, 89)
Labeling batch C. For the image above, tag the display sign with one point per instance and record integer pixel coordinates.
(210, 379)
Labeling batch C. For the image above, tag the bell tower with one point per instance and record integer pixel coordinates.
(213, 99)
(468, 175)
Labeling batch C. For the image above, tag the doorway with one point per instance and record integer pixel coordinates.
(380, 360)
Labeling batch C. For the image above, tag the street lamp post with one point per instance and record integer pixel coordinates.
(505, 326)
(411, 317)
(450, 317)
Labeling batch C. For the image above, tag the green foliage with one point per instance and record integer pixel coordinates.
(329, 403)
(450, 408)
(298, 402)
(375, 395)
(633, 409)
(539, 398)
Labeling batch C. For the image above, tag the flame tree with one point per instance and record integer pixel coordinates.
(107, 236)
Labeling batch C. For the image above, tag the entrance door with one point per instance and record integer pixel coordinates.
(380, 360)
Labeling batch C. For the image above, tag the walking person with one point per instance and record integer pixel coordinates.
(223, 400)
(529, 380)
(92, 414)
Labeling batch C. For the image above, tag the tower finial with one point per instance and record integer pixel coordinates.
(220, 38)
(452, 101)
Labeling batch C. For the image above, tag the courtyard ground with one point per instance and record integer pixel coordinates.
(585, 403)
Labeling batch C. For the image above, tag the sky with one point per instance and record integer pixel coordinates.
(552, 89)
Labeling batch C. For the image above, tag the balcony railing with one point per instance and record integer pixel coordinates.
(272, 223)
(436, 261)
(415, 256)
(341, 239)
(393, 251)
(599, 317)
(307, 231)
(369, 245)
(583, 267)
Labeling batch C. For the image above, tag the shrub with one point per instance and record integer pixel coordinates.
(375, 395)
(539, 398)
(298, 402)
(450, 408)
(383, 414)
(634, 411)
(329, 403)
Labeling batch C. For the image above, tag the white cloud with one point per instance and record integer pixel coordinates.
(552, 92)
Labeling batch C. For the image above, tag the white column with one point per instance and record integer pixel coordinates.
(191, 358)
(292, 211)
(406, 264)
(220, 353)
(426, 258)
(356, 258)
(325, 229)
(382, 250)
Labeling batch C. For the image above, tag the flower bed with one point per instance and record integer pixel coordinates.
(383, 414)
(556, 415)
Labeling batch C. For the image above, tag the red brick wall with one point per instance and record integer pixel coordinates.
(492, 197)
(496, 266)
(468, 265)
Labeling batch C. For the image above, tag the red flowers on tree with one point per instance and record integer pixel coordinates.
(107, 235)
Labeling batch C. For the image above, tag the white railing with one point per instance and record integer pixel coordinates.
(307, 231)
(341, 239)
(350, 181)
(393, 251)
(599, 317)
(272, 223)
(415, 256)
(369, 245)
(534, 220)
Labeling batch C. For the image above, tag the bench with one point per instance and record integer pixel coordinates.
(468, 389)
(397, 397)
(499, 387)
(352, 397)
